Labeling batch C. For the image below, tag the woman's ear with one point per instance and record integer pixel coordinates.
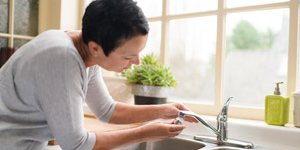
(94, 48)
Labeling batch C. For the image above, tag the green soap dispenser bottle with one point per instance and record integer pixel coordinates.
(277, 108)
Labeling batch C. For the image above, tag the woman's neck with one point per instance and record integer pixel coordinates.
(81, 47)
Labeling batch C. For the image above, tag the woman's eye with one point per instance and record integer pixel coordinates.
(128, 58)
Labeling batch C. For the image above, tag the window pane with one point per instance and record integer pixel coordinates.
(26, 17)
(4, 10)
(3, 42)
(192, 46)
(88, 2)
(19, 42)
(151, 8)
(154, 39)
(241, 3)
(256, 55)
(190, 6)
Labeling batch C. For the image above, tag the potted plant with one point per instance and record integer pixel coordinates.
(151, 81)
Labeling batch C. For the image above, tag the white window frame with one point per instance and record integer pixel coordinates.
(53, 14)
(293, 54)
(11, 35)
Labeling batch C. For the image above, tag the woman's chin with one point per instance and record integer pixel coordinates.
(120, 70)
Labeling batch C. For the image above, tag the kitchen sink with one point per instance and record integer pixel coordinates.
(226, 148)
(174, 144)
(167, 144)
(185, 142)
(182, 142)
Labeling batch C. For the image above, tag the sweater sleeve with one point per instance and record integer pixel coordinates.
(60, 82)
(98, 98)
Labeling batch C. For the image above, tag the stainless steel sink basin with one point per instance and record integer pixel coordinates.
(226, 148)
(184, 142)
(168, 144)
(174, 144)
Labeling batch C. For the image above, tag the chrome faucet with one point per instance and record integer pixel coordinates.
(221, 132)
(222, 121)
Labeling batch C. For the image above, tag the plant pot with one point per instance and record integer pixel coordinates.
(142, 100)
(150, 95)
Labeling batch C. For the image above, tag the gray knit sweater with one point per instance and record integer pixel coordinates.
(42, 89)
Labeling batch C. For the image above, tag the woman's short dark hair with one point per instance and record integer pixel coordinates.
(110, 23)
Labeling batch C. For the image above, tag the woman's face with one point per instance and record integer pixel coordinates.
(124, 56)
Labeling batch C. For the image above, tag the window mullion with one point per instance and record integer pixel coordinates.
(11, 23)
(220, 55)
(293, 56)
(258, 8)
(164, 23)
(81, 7)
(293, 67)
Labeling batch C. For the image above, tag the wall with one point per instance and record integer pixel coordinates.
(60, 14)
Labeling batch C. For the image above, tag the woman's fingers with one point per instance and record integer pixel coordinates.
(171, 110)
(181, 107)
(161, 130)
(176, 128)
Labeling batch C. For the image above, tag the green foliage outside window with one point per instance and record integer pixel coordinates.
(246, 37)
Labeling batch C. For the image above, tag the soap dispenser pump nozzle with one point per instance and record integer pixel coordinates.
(277, 90)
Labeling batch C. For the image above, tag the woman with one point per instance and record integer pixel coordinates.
(44, 84)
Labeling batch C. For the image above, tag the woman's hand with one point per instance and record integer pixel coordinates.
(170, 111)
(156, 131)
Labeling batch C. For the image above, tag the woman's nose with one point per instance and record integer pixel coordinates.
(136, 61)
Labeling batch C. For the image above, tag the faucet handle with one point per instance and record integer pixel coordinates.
(224, 112)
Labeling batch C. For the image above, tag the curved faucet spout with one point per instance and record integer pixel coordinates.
(225, 107)
(221, 132)
(182, 114)
(222, 121)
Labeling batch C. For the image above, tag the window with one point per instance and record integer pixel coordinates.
(154, 39)
(192, 44)
(148, 6)
(217, 49)
(256, 55)
(18, 22)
